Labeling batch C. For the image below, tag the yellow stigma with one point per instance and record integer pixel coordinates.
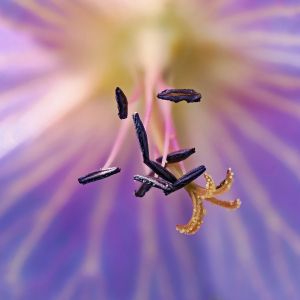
(208, 193)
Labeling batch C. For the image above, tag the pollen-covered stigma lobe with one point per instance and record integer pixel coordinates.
(167, 171)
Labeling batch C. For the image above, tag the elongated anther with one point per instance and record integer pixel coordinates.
(161, 171)
(122, 103)
(154, 182)
(187, 178)
(177, 156)
(98, 175)
(177, 95)
(144, 188)
(142, 136)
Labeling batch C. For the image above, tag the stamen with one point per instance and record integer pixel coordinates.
(149, 85)
(187, 178)
(142, 136)
(161, 171)
(166, 113)
(117, 144)
(154, 182)
(98, 175)
(175, 145)
(177, 95)
(170, 132)
(177, 156)
(144, 188)
(122, 103)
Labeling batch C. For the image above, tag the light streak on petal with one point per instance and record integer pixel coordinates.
(281, 267)
(34, 121)
(216, 6)
(287, 155)
(247, 257)
(27, 31)
(153, 7)
(99, 219)
(148, 251)
(56, 135)
(165, 284)
(269, 38)
(272, 100)
(45, 217)
(276, 57)
(91, 265)
(14, 93)
(255, 15)
(69, 287)
(259, 195)
(44, 169)
(270, 216)
(185, 262)
(42, 12)
(33, 60)
(279, 80)
(237, 229)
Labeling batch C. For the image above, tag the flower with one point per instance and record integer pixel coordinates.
(61, 62)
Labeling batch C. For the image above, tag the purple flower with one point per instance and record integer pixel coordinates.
(61, 62)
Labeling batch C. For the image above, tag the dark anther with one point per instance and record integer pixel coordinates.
(144, 188)
(178, 155)
(98, 175)
(122, 103)
(142, 135)
(155, 182)
(177, 95)
(187, 178)
(161, 171)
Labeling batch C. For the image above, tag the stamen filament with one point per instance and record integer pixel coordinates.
(122, 132)
(170, 132)
(167, 122)
(118, 143)
(149, 87)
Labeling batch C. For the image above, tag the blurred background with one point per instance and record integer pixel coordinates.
(60, 62)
